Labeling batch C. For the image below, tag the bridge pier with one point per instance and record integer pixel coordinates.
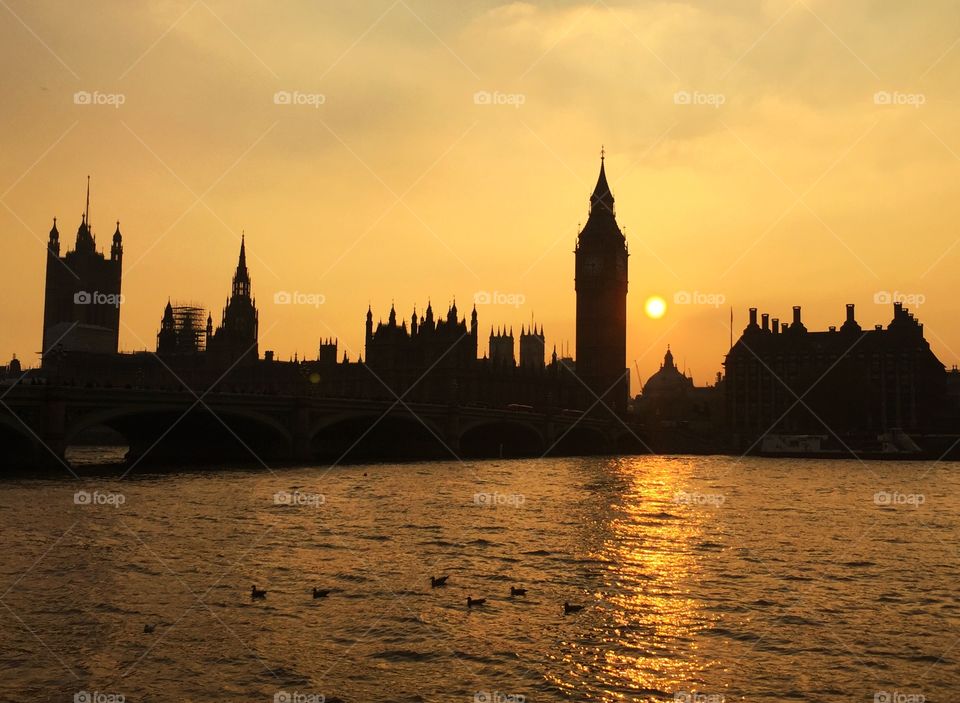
(451, 431)
(52, 450)
(301, 448)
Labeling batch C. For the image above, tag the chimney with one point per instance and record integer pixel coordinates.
(753, 317)
(850, 313)
(776, 325)
(796, 315)
(765, 319)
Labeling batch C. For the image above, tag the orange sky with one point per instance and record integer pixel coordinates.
(761, 153)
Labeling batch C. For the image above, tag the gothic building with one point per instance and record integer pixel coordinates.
(601, 287)
(81, 307)
(236, 337)
(845, 382)
(182, 330)
(501, 348)
(532, 347)
(445, 343)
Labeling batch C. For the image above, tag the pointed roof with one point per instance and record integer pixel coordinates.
(242, 274)
(601, 225)
(602, 196)
(84, 236)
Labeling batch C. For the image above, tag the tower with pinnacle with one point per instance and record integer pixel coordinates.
(81, 307)
(236, 337)
(600, 280)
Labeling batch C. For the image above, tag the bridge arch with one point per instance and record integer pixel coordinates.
(501, 437)
(180, 433)
(20, 447)
(370, 436)
(580, 439)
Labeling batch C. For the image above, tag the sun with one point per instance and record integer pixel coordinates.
(655, 307)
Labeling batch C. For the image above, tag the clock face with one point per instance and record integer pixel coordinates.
(591, 265)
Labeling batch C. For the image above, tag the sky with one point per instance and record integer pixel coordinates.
(762, 154)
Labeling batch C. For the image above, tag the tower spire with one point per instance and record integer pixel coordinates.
(86, 211)
(241, 278)
(602, 197)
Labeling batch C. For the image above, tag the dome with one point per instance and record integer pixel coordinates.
(669, 380)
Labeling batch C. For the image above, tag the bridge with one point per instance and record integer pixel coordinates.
(180, 427)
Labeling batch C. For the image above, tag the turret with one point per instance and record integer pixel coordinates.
(54, 243)
(116, 251)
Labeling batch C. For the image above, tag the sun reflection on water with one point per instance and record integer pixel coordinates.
(642, 637)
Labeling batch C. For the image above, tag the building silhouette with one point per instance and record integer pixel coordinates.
(780, 380)
(81, 307)
(845, 382)
(447, 343)
(235, 340)
(677, 415)
(601, 287)
(532, 347)
(182, 330)
(501, 348)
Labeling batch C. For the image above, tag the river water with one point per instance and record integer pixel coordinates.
(702, 579)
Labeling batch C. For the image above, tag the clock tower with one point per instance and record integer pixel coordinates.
(600, 280)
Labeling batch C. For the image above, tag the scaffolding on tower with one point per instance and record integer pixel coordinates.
(190, 324)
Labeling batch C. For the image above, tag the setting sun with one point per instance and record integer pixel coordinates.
(655, 307)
